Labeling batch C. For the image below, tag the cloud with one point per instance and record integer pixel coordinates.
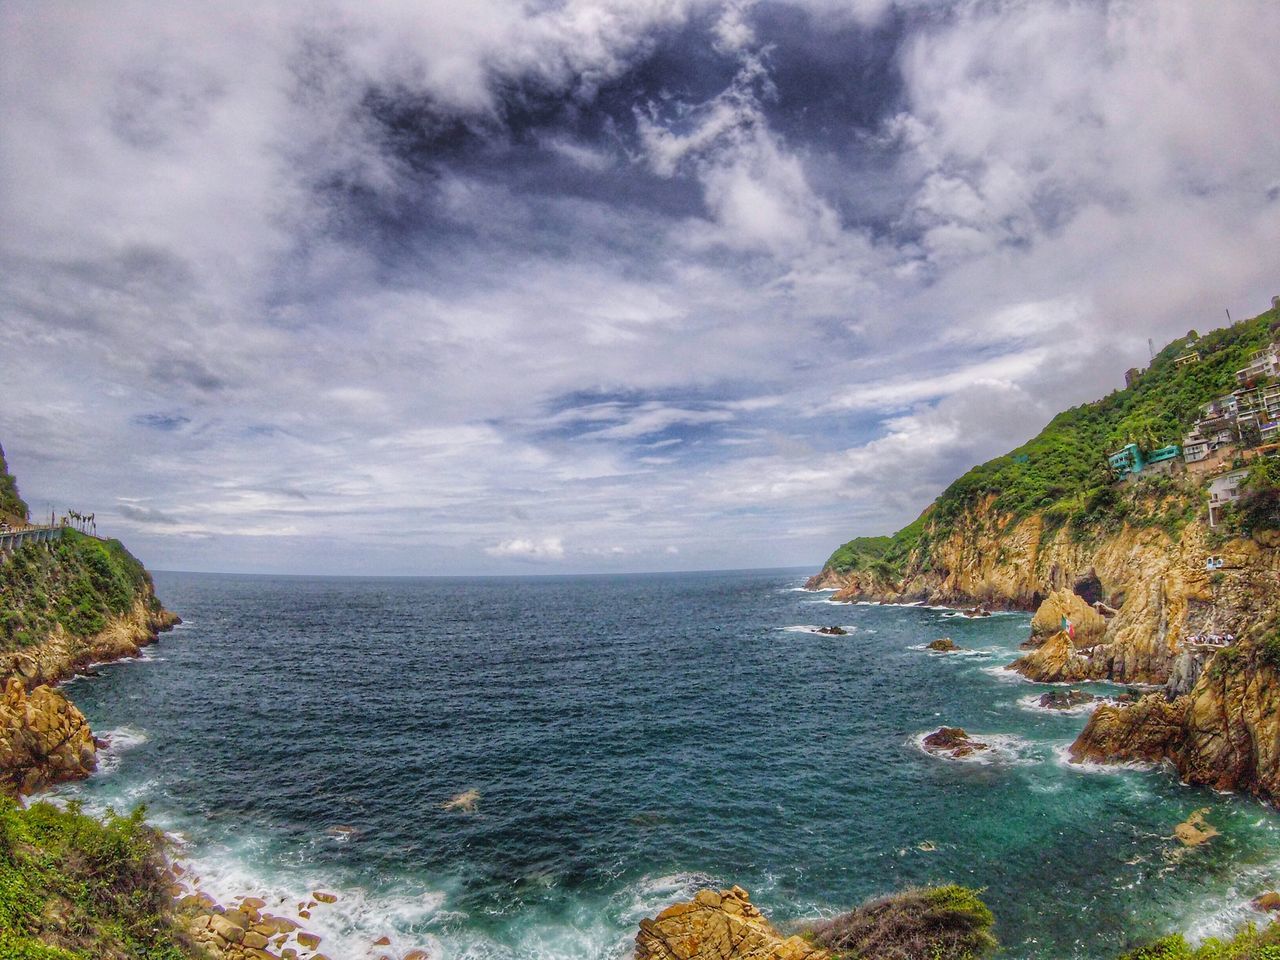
(548, 548)
(376, 283)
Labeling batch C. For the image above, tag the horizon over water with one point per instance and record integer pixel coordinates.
(632, 737)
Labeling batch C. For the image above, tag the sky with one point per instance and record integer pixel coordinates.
(597, 285)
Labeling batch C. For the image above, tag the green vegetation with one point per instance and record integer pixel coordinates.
(1259, 505)
(1248, 944)
(1064, 473)
(11, 504)
(76, 888)
(76, 582)
(933, 923)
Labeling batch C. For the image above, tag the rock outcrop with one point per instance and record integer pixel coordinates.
(44, 740)
(722, 925)
(1224, 734)
(953, 742)
(60, 655)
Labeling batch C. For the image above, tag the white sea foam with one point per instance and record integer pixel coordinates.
(811, 628)
(119, 742)
(1062, 753)
(813, 590)
(1032, 702)
(1003, 749)
(983, 653)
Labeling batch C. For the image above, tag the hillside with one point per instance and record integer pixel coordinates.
(1136, 566)
(1062, 473)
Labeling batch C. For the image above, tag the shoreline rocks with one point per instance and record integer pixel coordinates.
(44, 740)
(942, 645)
(723, 925)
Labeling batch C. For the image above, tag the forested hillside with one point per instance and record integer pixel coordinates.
(10, 503)
(1063, 471)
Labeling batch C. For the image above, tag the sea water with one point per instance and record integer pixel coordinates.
(631, 739)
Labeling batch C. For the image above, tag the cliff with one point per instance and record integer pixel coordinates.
(1224, 733)
(1133, 566)
(63, 605)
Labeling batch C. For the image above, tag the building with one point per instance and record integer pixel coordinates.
(1187, 358)
(1222, 491)
(1126, 460)
(1259, 410)
(1263, 365)
(1129, 460)
(1131, 376)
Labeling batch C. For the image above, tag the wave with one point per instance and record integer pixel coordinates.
(810, 589)
(982, 653)
(120, 741)
(1032, 702)
(810, 628)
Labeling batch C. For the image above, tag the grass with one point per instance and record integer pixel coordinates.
(932, 923)
(1063, 473)
(77, 582)
(73, 887)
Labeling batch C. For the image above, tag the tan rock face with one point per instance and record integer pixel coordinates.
(60, 655)
(721, 925)
(1224, 734)
(44, 739)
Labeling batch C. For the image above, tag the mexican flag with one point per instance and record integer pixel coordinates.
(1069, 627)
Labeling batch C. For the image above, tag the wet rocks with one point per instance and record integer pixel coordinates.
(44, 739)
(722, 925)
(833, 631)
(954, 742)
(1268, 902)
(942, 645)
(1065, 699)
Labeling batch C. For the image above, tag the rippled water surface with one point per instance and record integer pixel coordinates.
(632, 738)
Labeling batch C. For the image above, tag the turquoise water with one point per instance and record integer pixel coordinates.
(632, 738)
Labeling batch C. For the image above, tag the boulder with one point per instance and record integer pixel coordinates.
(722, 925)
(1089, 624)
(943, 645)
(954, 742)
(1268, 902)
(44, 739)
(834, 631)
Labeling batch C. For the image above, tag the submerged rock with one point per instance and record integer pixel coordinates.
(943, 645)
(834, 631)
(1195, 830)
(954, 742)
(467, 801)
(722, 925)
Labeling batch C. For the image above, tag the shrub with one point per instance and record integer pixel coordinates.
(933, 923)
(73, 887)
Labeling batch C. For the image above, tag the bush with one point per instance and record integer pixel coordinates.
(933, 923)
(76, 888)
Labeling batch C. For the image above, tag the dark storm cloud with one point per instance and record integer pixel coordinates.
(604, 283)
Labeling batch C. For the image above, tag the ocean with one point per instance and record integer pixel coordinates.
(630, 739)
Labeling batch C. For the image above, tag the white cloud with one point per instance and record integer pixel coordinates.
(548, 548)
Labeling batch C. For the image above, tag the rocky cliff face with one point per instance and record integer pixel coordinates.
(1224, 734)
(718, 926)
(60, 655)
(1133, 592)
(44, 740)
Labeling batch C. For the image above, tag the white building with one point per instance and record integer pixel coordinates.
(1265, 363)
(1223, 490)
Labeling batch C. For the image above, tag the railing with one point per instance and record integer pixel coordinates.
(11, 540)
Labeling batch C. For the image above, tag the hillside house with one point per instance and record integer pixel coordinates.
(1130, 461)
(1263, 365)
(1222, 491)
(1187, 359)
